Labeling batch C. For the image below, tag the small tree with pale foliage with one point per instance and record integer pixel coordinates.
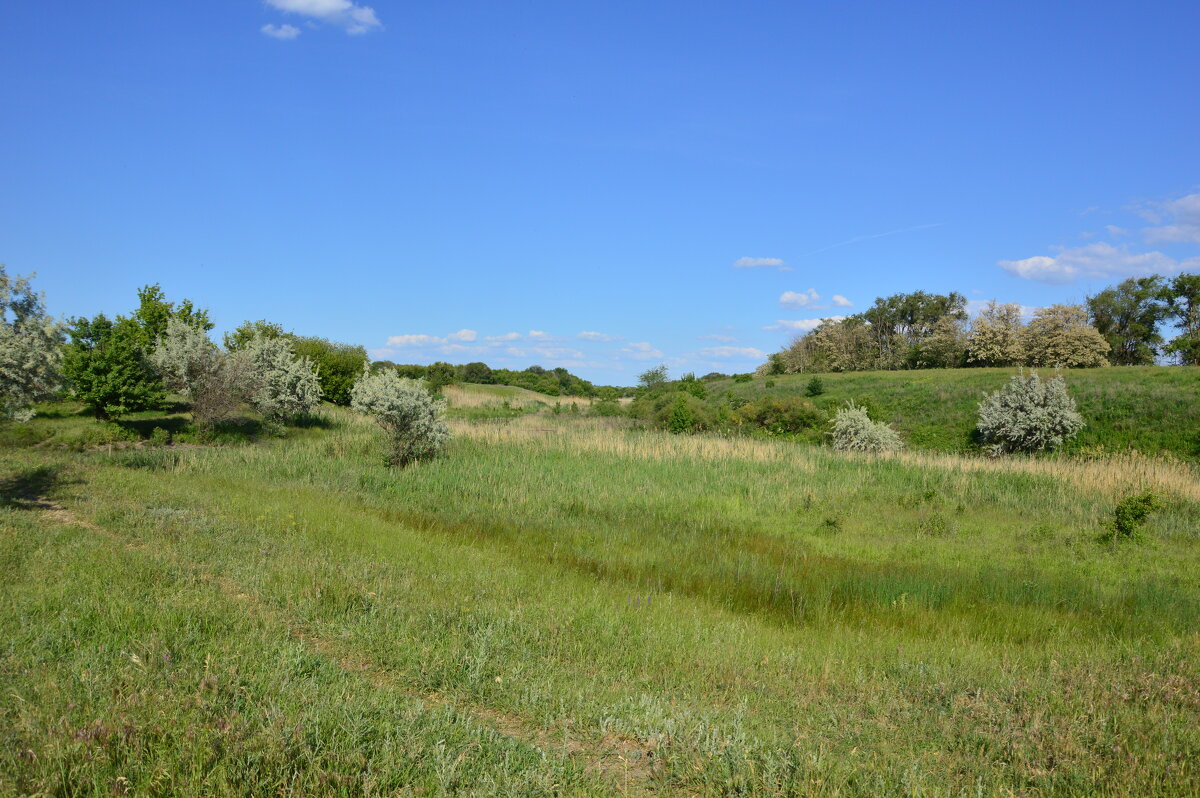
(276, 382)
(30, 351)
(1028, 415)
(854, 431)
(1061, 336)
(409, 415)
(191, 364)
(995, 338)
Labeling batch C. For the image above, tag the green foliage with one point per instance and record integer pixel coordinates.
(247, 331)
(681, 412)
(689, 384)
(409, 415)
(1128, 316)
(338, 365)
(854, 431)
(154, 311)
(478, 373)
(1060, 336)
(439, 375)
(605, 407)
(653, 380)
(107, 369)
(1183, 307)
(781, 415)
(742, 378)
(30, 348)
(814, 387)
(1131, 513)
(1028, 415)
(995, 337)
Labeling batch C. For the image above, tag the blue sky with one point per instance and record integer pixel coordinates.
(604, 186)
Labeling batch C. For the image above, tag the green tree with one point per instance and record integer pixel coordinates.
(439, 375)
(1183, 307)
(477, 373)
(995, 337)
(107, 369)
(154, 310)
(338, 365)
(1128, 316)
(652, 380)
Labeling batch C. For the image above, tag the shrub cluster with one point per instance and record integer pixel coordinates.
(408, 413)
(1028, 415)
(854, 431)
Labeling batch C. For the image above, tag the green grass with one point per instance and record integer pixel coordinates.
(565, 605)
(1150, 409)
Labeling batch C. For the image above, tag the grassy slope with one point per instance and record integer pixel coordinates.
(1148, 409)
(553, 609)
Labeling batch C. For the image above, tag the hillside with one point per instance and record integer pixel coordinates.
(1150, 409)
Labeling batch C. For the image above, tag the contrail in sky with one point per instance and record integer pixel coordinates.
(876, 235)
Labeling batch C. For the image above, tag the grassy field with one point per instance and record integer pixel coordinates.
(564, 605)
(1149, 409)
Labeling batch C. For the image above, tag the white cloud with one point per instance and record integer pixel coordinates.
(280, 31)
(343, 13)
(841, 301)
(801, 325)
(420, 339)
(641, 350)
(733, 353)
(1176, 221)
(511, 336)
(1094, 261)
(799, 300)
(1114, 231)
(588, 335)
(538, 335)
(761, 263)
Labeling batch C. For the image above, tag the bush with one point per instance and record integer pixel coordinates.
(408, 413)
(681, 412)
(854, 431)
(30, 352)
(606, 407)
(107, 369)
(743, 378)
(782, 415)
(1028, 415)
(275, 381)
(814, 387)
(1131, 512)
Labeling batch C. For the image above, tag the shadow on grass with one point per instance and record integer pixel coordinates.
(144, 427)
(28, 489)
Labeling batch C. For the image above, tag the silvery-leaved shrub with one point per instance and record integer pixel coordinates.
(409, 415)
(30, 349)
(188, 362)
(854, 431)
(1028, 415)
(276, 382)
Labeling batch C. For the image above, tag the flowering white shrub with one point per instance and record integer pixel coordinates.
(854, 431)
(1028, 415)
(30, 351)
(276, 382)
(411, 417)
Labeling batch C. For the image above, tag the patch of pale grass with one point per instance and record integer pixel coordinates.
(479, 396)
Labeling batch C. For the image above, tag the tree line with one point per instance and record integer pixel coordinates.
(1121, 325)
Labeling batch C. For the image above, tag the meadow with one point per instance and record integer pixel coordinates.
(569, 605)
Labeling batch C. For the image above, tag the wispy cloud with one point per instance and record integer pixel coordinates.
(351, 17)
(1094, 261)
(732, 353)
(841, 301)
(800, 299)
(801, 325)
(642, 350)
(588, 335)
(280, 31)
(420, 339)
(761, 263)
(1174, 221)
(856, 239)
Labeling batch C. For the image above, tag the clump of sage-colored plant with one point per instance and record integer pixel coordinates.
(408, 413)
(854, 431)
(1028, 415)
